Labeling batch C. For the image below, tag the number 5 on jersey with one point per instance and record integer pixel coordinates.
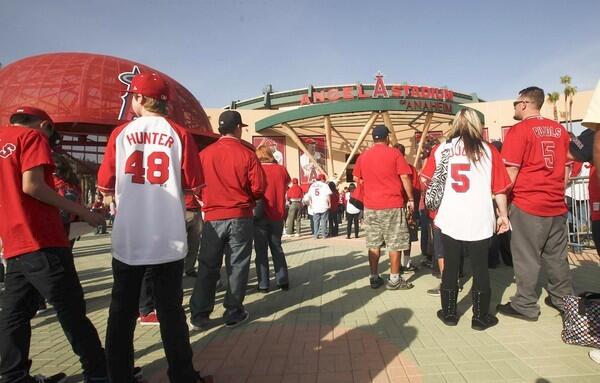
(157, 167)
(462, 182)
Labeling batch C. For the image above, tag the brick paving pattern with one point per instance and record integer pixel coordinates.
(332, 327)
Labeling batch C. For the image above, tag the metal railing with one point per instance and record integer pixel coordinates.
(579, 223)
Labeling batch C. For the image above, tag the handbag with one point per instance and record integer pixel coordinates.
(581, 323)
(435, 190)
(357, 197)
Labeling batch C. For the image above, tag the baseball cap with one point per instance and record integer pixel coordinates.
(310, 141)
(30, 111)
(322, 177)
(380, 131)
(150, 85)
(230, 119)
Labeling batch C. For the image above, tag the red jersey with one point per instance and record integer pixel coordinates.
(27, 224)
(277, 179)
(380, 168)
(594, 192)
(538, 147)
(234, 180)
(295, 192)
(334, 200)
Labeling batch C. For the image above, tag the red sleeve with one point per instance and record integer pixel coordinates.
(513, 149)
(35, 151)
(576, 169)
(256, 175)
(500, 179)
(356, 172)
(107, 173)
(192, 178)
(429, 166)
(402, 167)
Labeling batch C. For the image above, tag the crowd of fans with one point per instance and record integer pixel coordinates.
(471, 199)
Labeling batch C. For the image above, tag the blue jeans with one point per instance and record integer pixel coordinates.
(320, 222)
(267, 235)
(232, 238)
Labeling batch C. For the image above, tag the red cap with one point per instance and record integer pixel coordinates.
(30, 111)
(310, 140)
(149, 85)
(295, 181)
(322, 177)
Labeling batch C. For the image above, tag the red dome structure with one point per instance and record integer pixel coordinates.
(85, 94)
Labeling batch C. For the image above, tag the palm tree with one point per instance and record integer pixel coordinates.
(569, 91)
(553, 99)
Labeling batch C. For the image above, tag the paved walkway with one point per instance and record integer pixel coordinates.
(332, 327)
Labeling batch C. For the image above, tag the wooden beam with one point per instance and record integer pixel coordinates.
(361, 138)
(426, 126)
(388, 122)
(329, 146)
(292, 134)
(342, 137)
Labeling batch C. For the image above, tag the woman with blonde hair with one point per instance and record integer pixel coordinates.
(268, 222)
(474, 176)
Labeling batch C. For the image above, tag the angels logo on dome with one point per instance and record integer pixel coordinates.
(125, 78)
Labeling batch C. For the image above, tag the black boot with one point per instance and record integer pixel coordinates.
(482, 319)
(448, 313)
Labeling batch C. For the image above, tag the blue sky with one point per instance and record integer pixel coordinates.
(226, 50)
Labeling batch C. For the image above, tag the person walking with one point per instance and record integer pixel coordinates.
(384, 174)
(148, 165)
(294, 196)
(234, 181)
(38, 255)
(334, 201)
(268, 228)
(319, 204)
(535, 154)
(476, 177)
(352, 213)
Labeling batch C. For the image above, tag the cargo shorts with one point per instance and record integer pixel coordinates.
(387, 226)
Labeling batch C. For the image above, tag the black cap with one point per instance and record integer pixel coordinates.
(230, 119)
(380, 131)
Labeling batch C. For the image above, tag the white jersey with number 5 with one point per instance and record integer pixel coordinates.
(467, 212)
(148, 163)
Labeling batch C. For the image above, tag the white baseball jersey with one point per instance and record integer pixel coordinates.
(148, 163)
(318, 194)
(467, 212)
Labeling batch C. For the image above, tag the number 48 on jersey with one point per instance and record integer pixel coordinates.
(156, 169)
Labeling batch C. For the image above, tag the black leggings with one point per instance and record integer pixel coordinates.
(477, 251)
(352, 218)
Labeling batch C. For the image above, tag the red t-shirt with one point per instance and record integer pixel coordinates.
(594, 192)
(277, 180)
(334, 200)
(538, 147)
(27, 224)
(234, 180)
(295, 192)
(380, 168)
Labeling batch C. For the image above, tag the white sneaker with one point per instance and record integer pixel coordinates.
(595, 355)
(297, 235)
